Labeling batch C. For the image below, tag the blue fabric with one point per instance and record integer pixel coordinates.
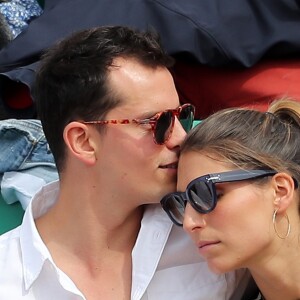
(18, 14)
(214, 32)
(23, 146)
(26, 75)
(26, 162)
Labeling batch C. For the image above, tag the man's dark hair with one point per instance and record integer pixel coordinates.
(71, 83)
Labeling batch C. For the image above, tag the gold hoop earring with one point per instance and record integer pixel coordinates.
(275, 228)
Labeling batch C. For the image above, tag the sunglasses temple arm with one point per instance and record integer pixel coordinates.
(241, 175)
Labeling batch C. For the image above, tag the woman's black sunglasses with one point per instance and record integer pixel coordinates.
(201, 192)
(162, 123)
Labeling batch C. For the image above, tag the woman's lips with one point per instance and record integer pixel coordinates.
(205, 246)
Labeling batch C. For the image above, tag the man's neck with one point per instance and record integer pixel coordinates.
(95, 254)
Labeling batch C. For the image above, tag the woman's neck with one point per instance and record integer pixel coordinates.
(278, 276)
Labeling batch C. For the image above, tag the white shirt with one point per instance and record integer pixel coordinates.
(166, 264)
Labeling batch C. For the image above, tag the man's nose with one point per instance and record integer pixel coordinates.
(178, 135)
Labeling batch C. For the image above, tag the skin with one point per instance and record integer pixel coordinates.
(109, 176)
(238, 202)
(239, 231)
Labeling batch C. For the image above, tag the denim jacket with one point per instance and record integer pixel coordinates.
(26, 162)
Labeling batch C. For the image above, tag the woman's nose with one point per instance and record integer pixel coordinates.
(193, 220)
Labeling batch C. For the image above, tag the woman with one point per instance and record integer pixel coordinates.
(238, 179)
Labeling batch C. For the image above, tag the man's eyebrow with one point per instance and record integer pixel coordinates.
(147, 115)
(150, 114)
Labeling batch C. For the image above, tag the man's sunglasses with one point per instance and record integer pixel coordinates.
(162, 123)
(201, 192)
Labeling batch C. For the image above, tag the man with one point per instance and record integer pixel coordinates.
(113, 121)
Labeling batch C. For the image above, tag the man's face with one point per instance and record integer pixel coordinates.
(131, 164)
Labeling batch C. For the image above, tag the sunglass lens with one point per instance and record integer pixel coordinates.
(163, 127)
(201, 197)
(186, 117)
(175, 206)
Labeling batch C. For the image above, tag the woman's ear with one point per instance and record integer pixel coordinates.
(284, 189)
(79, 139)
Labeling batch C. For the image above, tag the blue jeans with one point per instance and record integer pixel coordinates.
(26, 162)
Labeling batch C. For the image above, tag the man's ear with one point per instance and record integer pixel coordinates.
(79, 139)
(284, 189)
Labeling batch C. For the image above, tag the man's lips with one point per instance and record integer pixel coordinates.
(173, 165)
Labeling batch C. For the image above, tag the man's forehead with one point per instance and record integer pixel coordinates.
(143, 90)
(130, 69)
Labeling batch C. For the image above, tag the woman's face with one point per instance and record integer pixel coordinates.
(239, 231)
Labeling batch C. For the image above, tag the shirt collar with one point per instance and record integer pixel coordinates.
(145, 256)
(152, 237)
(33, 249)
